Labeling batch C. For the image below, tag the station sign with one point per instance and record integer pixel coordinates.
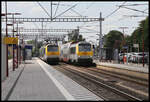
(136, 45)
(125, 47)
(28, 47)
(10, 40)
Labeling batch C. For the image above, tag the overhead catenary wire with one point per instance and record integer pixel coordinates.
(145, 9)
(89, 29)
(65, 11)
(84, 12)
(56, 8)
(76, 12)
(35, 25)
(134, 9)
(135, 4)
(45, 12)
(89, 6)
(134, 15)
(114, 10)
(43, 9)
(109, 14)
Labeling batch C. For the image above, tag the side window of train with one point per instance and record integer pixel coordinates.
(73, 50)
(43, 51)
(62, 52)
(70, 50)
(93, 47)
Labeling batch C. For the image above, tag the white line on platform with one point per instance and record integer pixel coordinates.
(58, 85)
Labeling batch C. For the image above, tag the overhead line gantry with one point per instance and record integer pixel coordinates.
(52, 20)
(42, 30)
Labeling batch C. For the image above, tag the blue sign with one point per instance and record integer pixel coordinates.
(125, 47)
(14, 46)
(28, 47)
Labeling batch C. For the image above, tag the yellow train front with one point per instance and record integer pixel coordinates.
(77, 53)
(50, 53)
(84, 53)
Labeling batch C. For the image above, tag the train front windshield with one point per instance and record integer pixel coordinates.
(52, 48)
(84, 47)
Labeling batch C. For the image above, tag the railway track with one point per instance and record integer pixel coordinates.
(107, 89)
(132, 79)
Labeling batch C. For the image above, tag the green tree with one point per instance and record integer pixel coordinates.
(30, 42)
(146, 34)
(77, 38)
(81, 38)
(113, 39)
(137, 35)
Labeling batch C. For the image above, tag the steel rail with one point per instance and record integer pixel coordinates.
(122, 76)
(93, 79)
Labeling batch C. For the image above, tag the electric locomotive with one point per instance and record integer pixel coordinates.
(50, 53)
(77, 52)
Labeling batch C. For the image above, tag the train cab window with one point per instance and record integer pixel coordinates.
(52, 48)
(72, 50)
(43, 51)
(84, 47)
(61, 52)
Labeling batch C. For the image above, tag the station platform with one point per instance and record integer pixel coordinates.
(36, 80)
(129, 66)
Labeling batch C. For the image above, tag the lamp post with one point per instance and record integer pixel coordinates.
(142, 43)
(13, 14)
(18, 38)
(142, 28)
(100, 38)
(7, 72)
(124, 43)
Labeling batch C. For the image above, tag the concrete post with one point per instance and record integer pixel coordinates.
(3, 60)
(100, 38)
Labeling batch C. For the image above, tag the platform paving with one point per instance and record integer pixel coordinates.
(132, 67)
(33, 81)
(30, 82)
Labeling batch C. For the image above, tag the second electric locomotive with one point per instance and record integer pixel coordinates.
(77, 52)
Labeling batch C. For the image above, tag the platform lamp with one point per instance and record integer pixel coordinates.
(18, 39)
(142, 32)
(5, 14)
(13, 14)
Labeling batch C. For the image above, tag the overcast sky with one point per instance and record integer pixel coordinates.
(89, 9)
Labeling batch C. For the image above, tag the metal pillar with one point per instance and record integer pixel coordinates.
(7, 70)
(143, 44)
(51, 11)
(17, 46)
(100, 37)
(124, 43)
(13, 45)
(4, 69)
